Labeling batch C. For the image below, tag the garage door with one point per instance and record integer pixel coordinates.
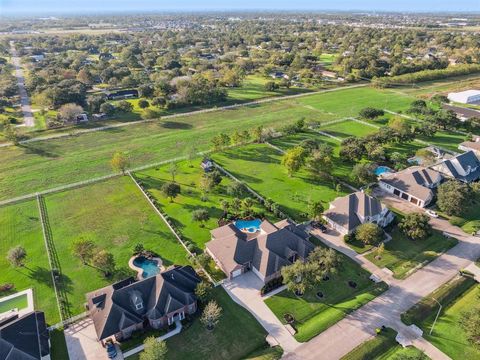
(236, 273)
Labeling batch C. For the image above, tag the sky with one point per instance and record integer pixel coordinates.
(8, 7)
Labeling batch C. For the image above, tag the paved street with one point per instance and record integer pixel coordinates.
(359, 326)
(244, 290)
(28, 119)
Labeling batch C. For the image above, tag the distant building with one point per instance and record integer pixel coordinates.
(465, 97)
(264, 252)
(25, 338)
(207, 165)
(37, 58)
(348, 212)
(464, 167)
(413, 184)
(462, 113)
(122, 94)
(81, 118)
(157, 301)
(106, 56)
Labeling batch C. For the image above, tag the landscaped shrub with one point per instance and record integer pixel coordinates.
(348, 238)
(6, 287)
(457, 221)
(271, 285)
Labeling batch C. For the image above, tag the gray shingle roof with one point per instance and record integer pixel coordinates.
(24, 338)
(113, 308)
(268, 251)
(469, 162)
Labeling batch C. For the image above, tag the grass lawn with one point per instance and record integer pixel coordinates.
(313, 315)
(269, 353)
(348, 128)
(115, 216)
(19, 302)
(253, 88)
(45, 164)
(180, 210)
(342, 169)
(58, 345)
(382, 347)
(448, 335)
(445, 139)
(259, 166)
(20, 224)
(236, 335)
(327, 59)
(402, 255)
(469, 221)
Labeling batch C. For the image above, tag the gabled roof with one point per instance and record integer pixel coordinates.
(24, 338)
(118, 306)
(268, 251)
(349, 211)
(415, 180)
(464, 167)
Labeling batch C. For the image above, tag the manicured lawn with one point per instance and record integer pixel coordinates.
(115, 216)
(269, 353)
(402, 255)
(382, 347)
(314, 315)
(20, 225)
(18, 302)
(180, 210)
(348, 128)
(469, 221)
(236, 335)
(46, 164)
(446, 140)
(327, 59)
(342, 169)
(259, 166)
(448, 335)
(58, 345)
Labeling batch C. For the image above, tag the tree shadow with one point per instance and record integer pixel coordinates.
(176, 125)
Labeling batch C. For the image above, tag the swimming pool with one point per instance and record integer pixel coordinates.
(149, 267)
(382, 170)
(250, 226)
(416, 160)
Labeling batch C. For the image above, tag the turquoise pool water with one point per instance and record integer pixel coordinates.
(149, 267)
(250, 226)
(382, 170)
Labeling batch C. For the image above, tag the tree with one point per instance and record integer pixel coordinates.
(83, 249)
(11, 134)
(69, 112)
(470, 322)
(171, 190)
(256, 134)
(428, 157)
(124, 106)
(364, 173)
(16, 256)
(203, 291)
(235, 189)
(153, 349)
(119, 162)
(105, 262)
(298, 277)
(352, 148)
(416, 226)
(271, 86)
(173, 170)
(320, 163)
(452, 197)
(107, 108)
(323, 261)
(370, 113)
(200, 215)
(138, 248)
(211, 315)
(143, 104)
(315, 209)
(369, 233)
(380, 250)
(294, 159)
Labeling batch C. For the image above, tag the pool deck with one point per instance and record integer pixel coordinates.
(139, 270)
(30, 304)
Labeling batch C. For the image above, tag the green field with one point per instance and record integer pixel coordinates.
(45, 164)
(403, 255)
(115, 216)
(348, 128)
(448, 335)
(180, 210)
(313, 315)
(18, 302)
(20, 224)
(236, 336)
(260, 168)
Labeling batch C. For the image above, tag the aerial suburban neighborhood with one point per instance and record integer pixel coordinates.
(252, 181)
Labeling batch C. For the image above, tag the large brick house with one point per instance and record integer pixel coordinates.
(129, 305)
(264, 252)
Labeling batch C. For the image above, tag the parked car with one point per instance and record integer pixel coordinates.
(111, 350)
(319, 226)
(432, 213)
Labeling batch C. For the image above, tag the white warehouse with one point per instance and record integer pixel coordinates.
(465, 97)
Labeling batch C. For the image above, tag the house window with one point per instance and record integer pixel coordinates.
(396, 192)
(139, 306)
(404, 196)
(414, 201)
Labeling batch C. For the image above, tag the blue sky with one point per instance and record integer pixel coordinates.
(56, 6)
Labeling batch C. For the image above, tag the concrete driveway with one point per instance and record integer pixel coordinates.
(82, 342)
(245, 290)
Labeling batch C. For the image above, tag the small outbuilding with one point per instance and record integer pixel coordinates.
(465, 97)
